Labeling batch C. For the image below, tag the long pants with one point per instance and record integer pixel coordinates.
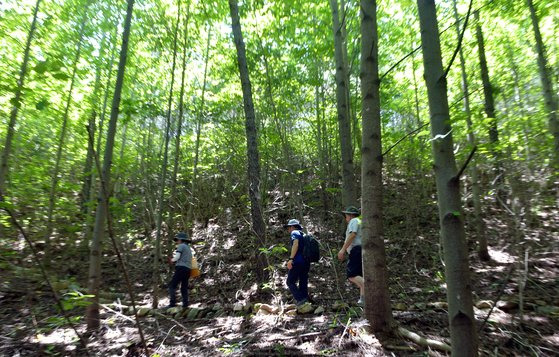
(180, 277)
(299, 273)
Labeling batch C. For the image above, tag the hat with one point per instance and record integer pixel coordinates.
(351, 210)
(181, 236)
(293, 222)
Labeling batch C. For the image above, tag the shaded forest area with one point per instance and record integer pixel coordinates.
(123, 123)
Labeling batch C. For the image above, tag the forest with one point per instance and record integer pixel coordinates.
(132, 129)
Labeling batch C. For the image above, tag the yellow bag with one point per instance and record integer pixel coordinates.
(194, 270)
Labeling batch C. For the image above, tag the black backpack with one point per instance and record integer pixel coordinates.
(311, 248)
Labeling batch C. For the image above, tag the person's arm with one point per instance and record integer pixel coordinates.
(346, 245)
(177, 255)
(294, 249)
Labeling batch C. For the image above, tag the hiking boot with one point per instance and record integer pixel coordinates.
(361, 301)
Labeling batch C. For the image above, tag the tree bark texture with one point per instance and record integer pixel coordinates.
(253, 157)
(377, 301)
(479, 224)
(463, 332)
(16, 102)
(349, 195)
(551, 100)
(94, 275)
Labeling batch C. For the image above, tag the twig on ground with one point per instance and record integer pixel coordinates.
(501, 291)
(117, 313)
(420, 340)
(167, 335)
(156, 313)
(343, 333)
(335, 272)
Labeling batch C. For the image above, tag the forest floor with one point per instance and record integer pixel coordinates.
(222, 319)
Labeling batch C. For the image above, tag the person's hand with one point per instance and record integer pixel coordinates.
(290, 264)
(169, 261)
(341, 255)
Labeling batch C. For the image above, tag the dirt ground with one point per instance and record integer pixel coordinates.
(225, 297)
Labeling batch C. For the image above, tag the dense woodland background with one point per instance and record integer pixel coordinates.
(140, 104)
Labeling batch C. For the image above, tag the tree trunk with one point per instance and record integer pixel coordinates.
(253, 157)
(463, 332)
(199, 119)
(489, 105)
(349, 196)
(62, 138)
(91, 128)
(16, 103)
(479, 224)
(377, 302)
(163, 178)
(551, 100)
(174, 200)
(94, 276)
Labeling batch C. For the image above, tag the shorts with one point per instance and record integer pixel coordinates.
(354, 264)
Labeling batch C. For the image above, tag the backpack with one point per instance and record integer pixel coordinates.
(311, 248)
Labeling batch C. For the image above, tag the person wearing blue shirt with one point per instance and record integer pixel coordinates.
(298, 275)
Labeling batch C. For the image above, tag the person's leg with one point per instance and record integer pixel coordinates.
(293, 277)
(355, 269)
(173, 288)
(304, 281)
(360, 282)
(185, 275)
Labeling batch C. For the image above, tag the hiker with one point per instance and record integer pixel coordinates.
(182, 258)
(352, 245)
(297, 265)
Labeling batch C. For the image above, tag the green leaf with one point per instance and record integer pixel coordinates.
(41, 104)
(41, 67)
(60, 75)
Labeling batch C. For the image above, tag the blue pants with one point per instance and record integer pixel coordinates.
(180, 277)
(299, 273)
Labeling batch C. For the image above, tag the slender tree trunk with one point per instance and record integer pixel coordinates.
(91, 128)
(349, 195)
(62, 138)
(199, 119)
(174, 200)
(377, 301)
(490, 112)
(253, 157)
(461, 317)
(479, 224)
(88, 232)
(16, 103)
(163, 179)
(551, 100)
(94, 276)
(520, 103)
(107, 92)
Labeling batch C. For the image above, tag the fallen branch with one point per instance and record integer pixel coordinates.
(117, 313)
(420, 340)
